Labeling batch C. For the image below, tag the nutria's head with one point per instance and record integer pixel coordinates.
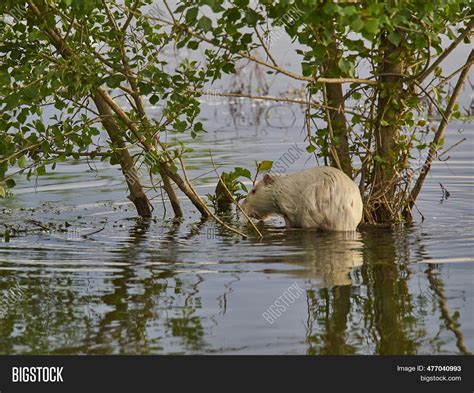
(259, 203)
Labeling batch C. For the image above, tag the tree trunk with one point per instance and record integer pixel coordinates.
(335, 98)
(137, 195)
(171, 194)
(188, 191)
(384, 180)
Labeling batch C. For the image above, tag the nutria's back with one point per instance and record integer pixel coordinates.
(321, 197)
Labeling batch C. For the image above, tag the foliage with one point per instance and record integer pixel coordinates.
(336, 40)
(47, 111)
(75, 73)
(228, 189)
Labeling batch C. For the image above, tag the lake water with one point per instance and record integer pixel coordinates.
(170, 287)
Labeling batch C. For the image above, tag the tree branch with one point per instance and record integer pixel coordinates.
(439, 134)
(278, 99)
(254, 58)
(447, 51)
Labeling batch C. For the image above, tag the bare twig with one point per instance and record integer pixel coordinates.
(440, 111)
(265, 48)
(93, 233)
(279, 99)
(451, 147)
(130, 16)
(331, 134)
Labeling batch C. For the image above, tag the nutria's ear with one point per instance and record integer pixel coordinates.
(267, 179)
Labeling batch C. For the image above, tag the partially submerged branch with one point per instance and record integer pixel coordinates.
(137, 195)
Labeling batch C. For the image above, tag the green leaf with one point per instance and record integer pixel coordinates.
(243, 172)
(180, 125)
(330, 8)
(193, 45)
(232, 15)
(10, 183)
(394, 38)
(205, 23)
(145, 88)
(31, 92)
(114, 160)
(371, 26)
(251, 17)
(2, 192)
(357, 25)
(265, 165)
(246, 39)
(114, 81)
(191, 14)
(40, 170)
(154, 99)
(214, 4)
(198, 127)
(345, 66)
(348, 11)
(22, 162)
(307, 68)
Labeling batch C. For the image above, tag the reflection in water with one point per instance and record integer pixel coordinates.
(330, 258)
(150, 296)
(388, 297)
(382, 299)
(437, 286)
(388, 323)
(123, 328)
(135, 307)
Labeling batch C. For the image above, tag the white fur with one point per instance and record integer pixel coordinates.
(323, 198)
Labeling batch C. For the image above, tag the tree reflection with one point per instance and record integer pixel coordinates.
(371, 316)
(389, 301)
(142, 296)
(153, 300)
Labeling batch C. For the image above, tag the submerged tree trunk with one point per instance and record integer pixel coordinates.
(137, 195)
(187, 190)
(390, 108)
(170, 191)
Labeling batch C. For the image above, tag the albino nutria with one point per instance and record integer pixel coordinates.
(322, 198)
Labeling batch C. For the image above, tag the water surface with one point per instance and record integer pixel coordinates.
(89, 277)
